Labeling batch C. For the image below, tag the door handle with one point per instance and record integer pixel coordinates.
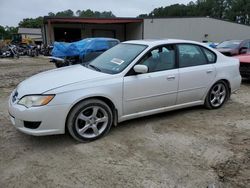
(209, 71)
(171, 77)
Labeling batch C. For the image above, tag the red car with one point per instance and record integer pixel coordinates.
(244, 65)
(234, 47)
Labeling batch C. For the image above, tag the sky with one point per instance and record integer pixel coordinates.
(13, 11)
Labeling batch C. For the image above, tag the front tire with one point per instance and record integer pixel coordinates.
(217, 95)
(89, 120)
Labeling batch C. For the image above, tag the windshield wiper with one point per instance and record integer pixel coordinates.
(94, 67)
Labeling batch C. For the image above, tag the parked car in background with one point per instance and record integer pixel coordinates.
(131, 80)
(234, 47)
(244, 65)
(64, 54)
(211, 44)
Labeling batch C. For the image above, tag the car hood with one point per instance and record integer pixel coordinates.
(228, 51)
(224, 50)
(57, 78)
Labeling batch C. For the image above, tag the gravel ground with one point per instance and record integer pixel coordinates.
(190, 148)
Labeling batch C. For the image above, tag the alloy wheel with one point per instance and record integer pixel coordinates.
(218, 95)
(91, 121)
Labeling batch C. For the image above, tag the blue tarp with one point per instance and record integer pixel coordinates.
(80, 48)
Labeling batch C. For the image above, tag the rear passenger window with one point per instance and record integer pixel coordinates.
(190, 55)
(211, 57)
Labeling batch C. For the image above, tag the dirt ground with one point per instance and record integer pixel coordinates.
(190, 148)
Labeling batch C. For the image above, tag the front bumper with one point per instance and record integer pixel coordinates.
(52, 118)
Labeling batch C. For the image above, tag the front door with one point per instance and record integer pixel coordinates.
(155, 89)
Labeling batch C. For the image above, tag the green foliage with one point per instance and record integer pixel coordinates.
(37, 22)
(66, 13)
(7, 32)
(31, 22)
(232, 10)
(240, 11)
(83, 14)
(94, 14)
(2, 32)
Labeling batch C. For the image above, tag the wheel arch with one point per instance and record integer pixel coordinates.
(207, 102)
(228, 84)
(101, 98)
(226, 81)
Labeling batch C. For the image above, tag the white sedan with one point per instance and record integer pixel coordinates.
(131, 80)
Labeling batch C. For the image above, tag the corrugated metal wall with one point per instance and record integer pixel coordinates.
(198, 29)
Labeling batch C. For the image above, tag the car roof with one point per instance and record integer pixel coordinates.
(235, 40)
(104, 38)
(156, 42)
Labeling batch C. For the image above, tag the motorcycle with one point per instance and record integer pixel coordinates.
(47, 51)
(32, 51)
(9, 51)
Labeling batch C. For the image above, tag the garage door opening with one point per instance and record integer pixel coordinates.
(103, 33)
(67, 34)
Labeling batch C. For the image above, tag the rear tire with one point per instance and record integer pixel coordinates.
(217, 95)
(89, 120)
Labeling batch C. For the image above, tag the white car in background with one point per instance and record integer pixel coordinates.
(131, 80)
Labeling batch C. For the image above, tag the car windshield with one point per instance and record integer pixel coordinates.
(117, 58)
(232, 44)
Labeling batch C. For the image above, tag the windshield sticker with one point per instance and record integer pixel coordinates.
(117, 61)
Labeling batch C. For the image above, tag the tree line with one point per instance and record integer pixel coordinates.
(7, 32)
(37, 22)
(232, 10)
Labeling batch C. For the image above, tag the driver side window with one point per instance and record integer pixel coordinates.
(159, 59)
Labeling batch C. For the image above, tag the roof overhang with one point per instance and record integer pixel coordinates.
(92, 20)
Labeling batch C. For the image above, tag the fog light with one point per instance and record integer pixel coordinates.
(31, 124)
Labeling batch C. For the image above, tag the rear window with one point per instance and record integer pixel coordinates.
(190, 55)
(211, 57)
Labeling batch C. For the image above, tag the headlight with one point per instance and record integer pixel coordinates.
(35, 100)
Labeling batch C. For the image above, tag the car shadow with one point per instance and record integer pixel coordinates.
(49, 140)
(65, 140)
(137, 122)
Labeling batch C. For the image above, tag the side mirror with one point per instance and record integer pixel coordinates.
(140, 69)
(243, 50)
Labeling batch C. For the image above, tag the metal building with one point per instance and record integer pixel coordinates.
(197, 29)
(73, 29)
(31, 33)
(193, 28)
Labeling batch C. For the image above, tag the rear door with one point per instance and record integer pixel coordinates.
(196, 72)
